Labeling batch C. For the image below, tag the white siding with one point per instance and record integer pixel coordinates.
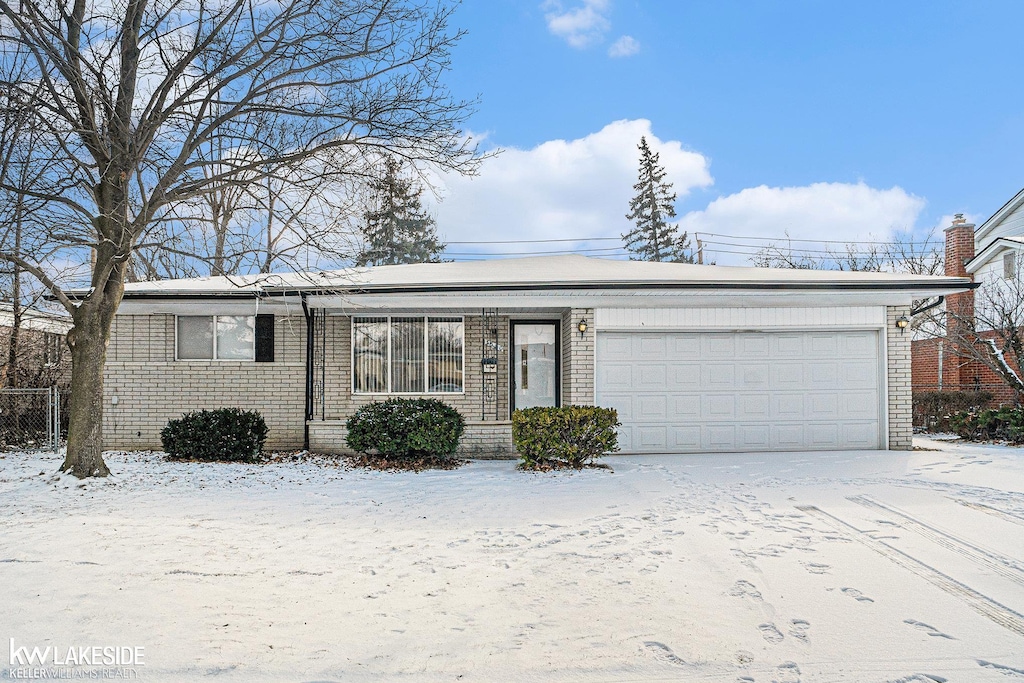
(1012, 224)
(739, 318)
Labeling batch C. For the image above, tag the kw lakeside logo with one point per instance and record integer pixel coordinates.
(94, 662)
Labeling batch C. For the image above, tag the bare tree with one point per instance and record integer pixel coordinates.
(991, 332)
(125, 94)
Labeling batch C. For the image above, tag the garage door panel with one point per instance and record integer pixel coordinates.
(651, 407)
(717, 407)
(684, 347)
(718, 376)
(753, 376)
(685, 438)
(616, 346)
(754, 437)
(650, 438)
(720, 438)
(860, 435)
(650, 376)
(684, 408)
(756, 391)
(683, 376)
(651, 347)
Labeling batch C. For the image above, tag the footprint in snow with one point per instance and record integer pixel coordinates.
(855, 594)
(787, 672)
(770, 633)
(816, 568)
(930, 630)
(919, 678)
(798, 629)
(663, 653)
(1001, 668)
(745, 589)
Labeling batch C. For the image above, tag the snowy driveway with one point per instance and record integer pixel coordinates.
(855, 566)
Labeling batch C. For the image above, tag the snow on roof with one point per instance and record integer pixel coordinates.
(539, 271)
(35, 320)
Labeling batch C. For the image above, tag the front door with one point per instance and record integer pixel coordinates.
(534, 364)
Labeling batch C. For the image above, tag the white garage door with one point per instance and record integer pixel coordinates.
(741, 391)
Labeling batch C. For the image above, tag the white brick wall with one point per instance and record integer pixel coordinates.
(900, 399)
(152, 388)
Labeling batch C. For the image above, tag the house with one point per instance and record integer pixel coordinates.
(990, 252)
(43, 358)
(695, 358)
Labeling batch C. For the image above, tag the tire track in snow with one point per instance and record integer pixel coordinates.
(980, 603)
(988, 509)
(1007, 567)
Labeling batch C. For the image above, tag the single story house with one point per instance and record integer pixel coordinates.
(695, 358)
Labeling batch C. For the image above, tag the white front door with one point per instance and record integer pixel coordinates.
(693, 392)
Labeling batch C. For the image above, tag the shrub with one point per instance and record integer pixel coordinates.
(1005, 423)
(933, 409)
(221, 434)
(406, 428)
(570, 435)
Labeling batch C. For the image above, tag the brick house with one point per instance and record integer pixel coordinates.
(991, 251)
(695, 358)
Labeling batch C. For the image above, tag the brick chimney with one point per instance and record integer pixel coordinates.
(959, 250)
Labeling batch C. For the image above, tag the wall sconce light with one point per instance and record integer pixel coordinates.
(902, 322)
(582, 326)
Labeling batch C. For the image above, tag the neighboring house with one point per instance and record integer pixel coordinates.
(43, 356)
(991, 252)
(694, 358)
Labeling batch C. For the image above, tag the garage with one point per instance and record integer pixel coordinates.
(720, 392)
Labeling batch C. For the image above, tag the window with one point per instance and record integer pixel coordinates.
(1010, 265)
(407, 355)
(220, 337)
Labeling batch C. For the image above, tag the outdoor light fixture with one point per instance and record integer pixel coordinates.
(902, 322)
(582, 327)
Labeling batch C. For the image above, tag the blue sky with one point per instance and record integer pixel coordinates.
(826, 120)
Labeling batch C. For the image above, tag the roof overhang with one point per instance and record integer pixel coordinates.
(997, 218)
(986, 254)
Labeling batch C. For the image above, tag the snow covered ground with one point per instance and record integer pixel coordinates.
(852, 566)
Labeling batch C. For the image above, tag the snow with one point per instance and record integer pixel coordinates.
(846, 566)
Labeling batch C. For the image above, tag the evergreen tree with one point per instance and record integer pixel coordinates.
(654, 238)
(398, 230)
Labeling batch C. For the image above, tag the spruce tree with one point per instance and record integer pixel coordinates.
(398, 230)
(654, 238)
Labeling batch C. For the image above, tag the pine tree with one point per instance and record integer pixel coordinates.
(654, 238)
(398, 230)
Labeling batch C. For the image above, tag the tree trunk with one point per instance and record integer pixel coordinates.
(88, 341)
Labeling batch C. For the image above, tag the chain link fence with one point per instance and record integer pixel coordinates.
(30, 419)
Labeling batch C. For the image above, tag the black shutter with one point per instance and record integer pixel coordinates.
(265, 339)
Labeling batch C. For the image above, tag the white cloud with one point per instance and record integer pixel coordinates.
(821, 211)
(561, 188)
(625, 46)
(581, 26)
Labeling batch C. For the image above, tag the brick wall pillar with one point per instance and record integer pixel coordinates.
(578, 357)
(897, 344)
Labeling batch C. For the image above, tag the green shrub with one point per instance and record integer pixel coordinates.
(405, 428)
(933, 409)
(221, 434)
(570, 435)
(1005, 423)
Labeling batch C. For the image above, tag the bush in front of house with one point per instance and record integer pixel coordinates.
(223, 434)
(406, 428)
(568, 436)
(1005, 423)
(933, 409)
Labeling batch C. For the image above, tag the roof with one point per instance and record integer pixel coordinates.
(539, 273)
(997, 218)
(997, 245)
(32, 319)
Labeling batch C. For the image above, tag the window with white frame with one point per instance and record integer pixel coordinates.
(407, 355)
(216, 337)
(1010, 265)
